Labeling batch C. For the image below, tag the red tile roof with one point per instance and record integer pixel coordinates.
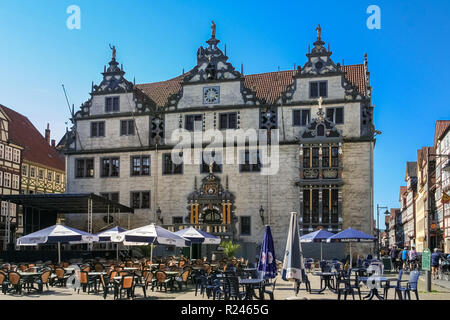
(441, 128)
(267, 86)
(36, 149)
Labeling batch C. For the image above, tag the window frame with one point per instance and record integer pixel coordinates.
(128, 131)
(318, 82)
(228, 127)
(217, 168)
(97, 131)
(334, 114)
(112, 99)
(173, 166)
(85, 169)
(141, 166)
(140, 199)
(193, 123)
(110, 169)
(252, 169)
(241, 218)
(300, 111)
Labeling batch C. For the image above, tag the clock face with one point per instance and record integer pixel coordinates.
(211, 95)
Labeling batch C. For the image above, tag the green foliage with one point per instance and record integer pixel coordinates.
(229, 248)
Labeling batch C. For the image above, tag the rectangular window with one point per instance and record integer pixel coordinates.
(169, 167)
(8, 153)
(109, 167)
(193, 122)
(20, 220)
(58, 178)
(140, 165)
(7, 180)
(177, 220)
(335, 115)
(112, 104)
(16, 156)
(1, 178)
(2, 151)
(24, 170)
(98, 129)
(140, 200)
(250, 161)
(301, 117)
(245, 226)
(217, 164)
(228, 121)
(49, 176)
(15, 181)
(41, 174)
(84, 168)
(113, 196)
(318, 89)
(32, 172)
(127, 127)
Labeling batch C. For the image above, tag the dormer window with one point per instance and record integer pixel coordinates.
(318, 89)
(112, 104)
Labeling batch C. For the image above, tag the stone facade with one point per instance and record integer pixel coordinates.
(214, 96)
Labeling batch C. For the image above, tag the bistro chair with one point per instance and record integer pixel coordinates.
(397, 286)
(234, 288)
(148, 280)
(162, 280)
(126, 284)
(61, 276)
(269, 292)
(15, 280)
(305, 280)
(98, 267)
(410, 286)
(86, 282)
(4, 281)
(106, 285)
(43, 279)
(183, 278)
(23, 267)
(348, 288)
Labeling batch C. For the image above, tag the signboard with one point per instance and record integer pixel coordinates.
(387, 263)
(426, 260)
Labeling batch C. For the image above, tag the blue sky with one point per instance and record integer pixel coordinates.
(155, 40)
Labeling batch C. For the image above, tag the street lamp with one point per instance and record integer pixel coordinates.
(261, 214)
(158, 215)
(378, 227)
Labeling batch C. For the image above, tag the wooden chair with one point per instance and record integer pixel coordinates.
(61, 277)
(15, 281)
(44, 279)
(126, 284)
(162, 280)
(106, 286)
(98, 267)
(183, 278)
(4, 281)
(86, 282)
(148, 280)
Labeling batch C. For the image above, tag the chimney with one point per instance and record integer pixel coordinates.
(53, 143)
(47, 133)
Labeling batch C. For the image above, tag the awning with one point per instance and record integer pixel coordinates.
(67, 203)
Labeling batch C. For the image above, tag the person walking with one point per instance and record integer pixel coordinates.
(405, 257)
(394, 254)
(412, 258)
(436, 257)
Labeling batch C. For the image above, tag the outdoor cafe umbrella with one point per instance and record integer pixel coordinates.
(198, 236)
(351, 235)
(293, 259)
(267, 262)
(317, 236)
(152, 234)
(112, 235)
(56, 234)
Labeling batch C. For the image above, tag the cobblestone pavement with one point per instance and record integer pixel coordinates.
(284, 290)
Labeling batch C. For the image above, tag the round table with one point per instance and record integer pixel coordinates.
(327, 278)
(375, 284)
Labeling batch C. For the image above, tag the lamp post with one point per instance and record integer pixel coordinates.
(261, 214)
(378, 227)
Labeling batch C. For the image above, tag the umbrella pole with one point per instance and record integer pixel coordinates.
(351, 258)
(190, 252)
(59, 252)
(151, 253)
(321, 243)
(117, 252)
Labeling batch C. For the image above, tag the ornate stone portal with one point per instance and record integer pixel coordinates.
(211, 207)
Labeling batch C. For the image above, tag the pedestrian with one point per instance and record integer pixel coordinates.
(412, 258)
(436, 257)
(394, 254)
(405, 256)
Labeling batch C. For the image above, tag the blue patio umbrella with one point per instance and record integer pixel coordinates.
(293, 258)
(56, 234)
(351, 235)
(267, 262)
(317, 236)
(112, 235)
(198, 236)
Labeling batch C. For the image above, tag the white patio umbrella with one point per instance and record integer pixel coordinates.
(112, 236)
(152, 234)
(293, 258)
(57, 234)
(198, 236)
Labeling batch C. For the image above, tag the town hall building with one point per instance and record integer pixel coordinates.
(318, 132)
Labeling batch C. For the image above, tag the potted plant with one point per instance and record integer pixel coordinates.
(229, 248)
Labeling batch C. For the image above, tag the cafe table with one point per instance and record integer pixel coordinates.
(326, 276)
(250, 284)
(374, 283)
(28, 279)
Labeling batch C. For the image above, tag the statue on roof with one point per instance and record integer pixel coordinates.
(113, 48)
(213, 29)
(319, 32)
